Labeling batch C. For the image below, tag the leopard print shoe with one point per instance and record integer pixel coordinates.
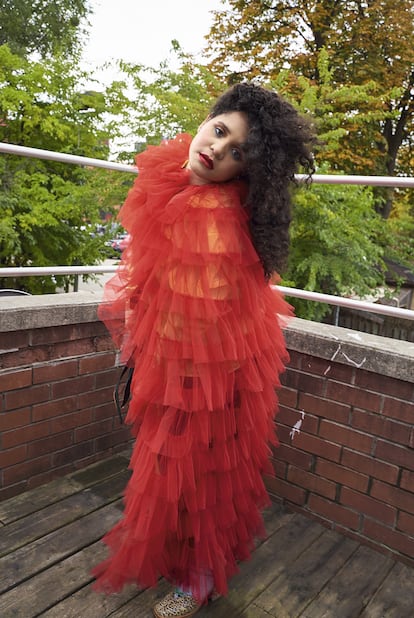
(176, 604)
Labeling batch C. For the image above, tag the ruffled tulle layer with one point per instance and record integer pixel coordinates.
(189, 307)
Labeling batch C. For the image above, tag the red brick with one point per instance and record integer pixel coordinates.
(339, 372)
(407, 480)
(285, 490)
(25, 397)
(378, 425)
(25, 435)
(13, 490)
(73, 386)
(396, 540)
(67, 333)
(107, 378)
(334, 512)
(56, 407)
(368, 506)
(346, 436)
(406, 523)
(325, 408)
(327, 368)
(341, 475)
(86, 461)
(90, 400)
(317, 446)
(295, 359)
(25, 470)
(14, 339)
(103, 443)
(288, 397)
(93, 430)
(70, 421)
(74, 453)
(96, 362)
(107, 410)
(67, 349)
(313, 364)
(17, 418)
(12, 380)
(55, 370)
(289, 418)
(51, 444)
(46, 477)
(393, 495)
(280, 468)
(293, 456)
(121, 435)
(395, 454)
(120, 448)
(104, 344)
(399, 410)
(311, 482)
(383, 384)
(370, 466)
(12, 456)
(306, 383)
(346, 394)
(26, 357)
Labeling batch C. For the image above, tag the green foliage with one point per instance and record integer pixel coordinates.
(45, 206)
(334, 246)
(370, 74)
(399, 237)
(169, 100)
(42, 26)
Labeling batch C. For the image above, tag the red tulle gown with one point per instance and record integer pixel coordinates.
(190, 306)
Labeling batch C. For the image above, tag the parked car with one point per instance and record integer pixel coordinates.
(117, 244)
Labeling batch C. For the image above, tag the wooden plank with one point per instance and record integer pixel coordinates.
(141, 606)
(301, 581)
(254, 611)
(41, 592)
(37, 556)
(31, 501)
(36, 499)
(36, 525)
(267, 562)
(275, 517)
(349, 590)
(86, 603)
(395, 598)
(97, 472)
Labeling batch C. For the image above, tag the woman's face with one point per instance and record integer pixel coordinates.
(216, 152)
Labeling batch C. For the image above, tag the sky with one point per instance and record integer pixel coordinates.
(141, 32)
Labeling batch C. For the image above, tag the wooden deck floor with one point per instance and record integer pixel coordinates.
(49, 540)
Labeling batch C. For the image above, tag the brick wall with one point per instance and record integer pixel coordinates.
(346, 454)
(56, 383)
(350, 461)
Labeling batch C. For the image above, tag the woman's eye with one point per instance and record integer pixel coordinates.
(219, 132)
(236, 154)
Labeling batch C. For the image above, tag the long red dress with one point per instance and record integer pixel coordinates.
(191, 307)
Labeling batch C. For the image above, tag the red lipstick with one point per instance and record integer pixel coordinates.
(205, 160)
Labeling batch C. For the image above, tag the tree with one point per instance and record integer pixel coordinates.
(42, 26)
(168, 101)
(46, 207)
(368, 42)
(334, 244)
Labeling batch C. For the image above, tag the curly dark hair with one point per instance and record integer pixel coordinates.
(279, 141)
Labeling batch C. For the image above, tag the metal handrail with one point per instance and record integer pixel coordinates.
(406, 314)
(294, 292)
(342, 179)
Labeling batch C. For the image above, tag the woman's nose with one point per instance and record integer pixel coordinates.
(218, 149)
